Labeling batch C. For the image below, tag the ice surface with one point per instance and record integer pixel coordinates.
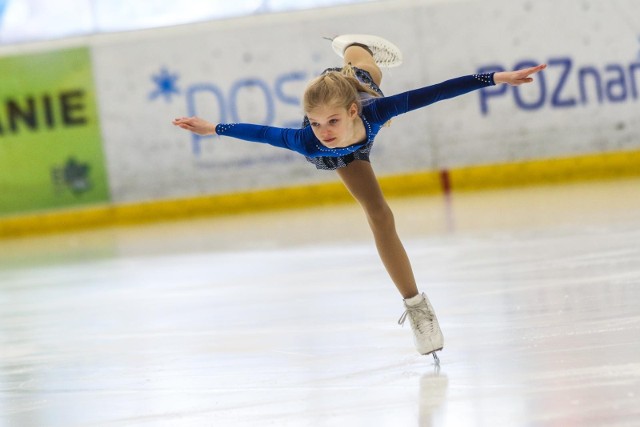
(289, 319)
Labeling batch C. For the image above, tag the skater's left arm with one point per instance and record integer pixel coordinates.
(411, 100)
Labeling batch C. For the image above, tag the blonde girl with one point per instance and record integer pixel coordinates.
(344, 110)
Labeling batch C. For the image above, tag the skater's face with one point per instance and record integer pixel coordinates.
(333, 126)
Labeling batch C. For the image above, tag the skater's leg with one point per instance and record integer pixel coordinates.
(361, 182)
(360, 57)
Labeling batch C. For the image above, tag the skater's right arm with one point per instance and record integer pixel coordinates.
(291, 139)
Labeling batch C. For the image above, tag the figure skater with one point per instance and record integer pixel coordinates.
(344, 110)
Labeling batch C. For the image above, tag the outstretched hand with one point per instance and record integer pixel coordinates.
(196, 125)
(516, 78)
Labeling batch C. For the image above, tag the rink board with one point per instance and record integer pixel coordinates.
(594, 167)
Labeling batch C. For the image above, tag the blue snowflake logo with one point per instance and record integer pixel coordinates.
(165, 85)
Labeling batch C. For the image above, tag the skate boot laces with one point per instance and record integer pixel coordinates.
(420, 317)
(385, 55)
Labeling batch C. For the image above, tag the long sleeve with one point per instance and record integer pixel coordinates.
(291, 139)
(386, 108)
(302, 141)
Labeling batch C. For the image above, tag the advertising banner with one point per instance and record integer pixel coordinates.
(50, 142)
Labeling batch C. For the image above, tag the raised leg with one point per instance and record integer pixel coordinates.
(361, 57)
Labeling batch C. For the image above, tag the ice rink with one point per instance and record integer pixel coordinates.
(289, 319)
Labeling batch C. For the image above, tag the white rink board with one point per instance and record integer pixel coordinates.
(254, 70)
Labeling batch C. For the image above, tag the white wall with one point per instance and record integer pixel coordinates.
(254, 70)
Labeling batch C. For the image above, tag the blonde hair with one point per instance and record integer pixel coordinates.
(335, 88)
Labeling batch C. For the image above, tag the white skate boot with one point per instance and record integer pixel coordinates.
(385, 53)
(426, 330)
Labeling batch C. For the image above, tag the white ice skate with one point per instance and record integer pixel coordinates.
(426, 330)
(385, 53)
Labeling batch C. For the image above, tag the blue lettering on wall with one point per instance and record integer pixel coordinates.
(492, 91)
(273, 94)
(247, 83)
(279, 88)
(574, 87)
(633, 68)
(565, 65)
(541, 84)
(587, 74)
(203, 90)
(616, 87)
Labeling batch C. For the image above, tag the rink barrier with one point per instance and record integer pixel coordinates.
(550, 171)
(546, 171)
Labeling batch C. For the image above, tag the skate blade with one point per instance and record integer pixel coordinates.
(432, 351)
(436, 359)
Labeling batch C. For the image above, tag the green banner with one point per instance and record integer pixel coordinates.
(50, 143)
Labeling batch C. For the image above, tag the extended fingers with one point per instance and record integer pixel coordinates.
(523, 75)
(535, 69)
(180, 120)
(185, 123)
